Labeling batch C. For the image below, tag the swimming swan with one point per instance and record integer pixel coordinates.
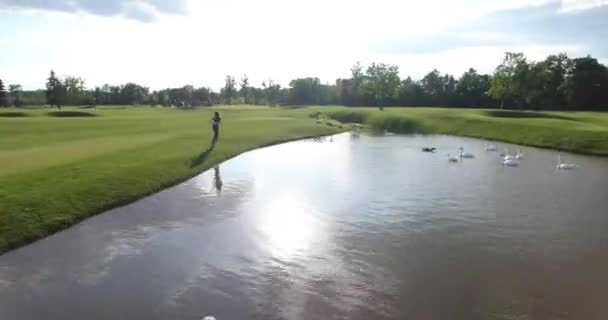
(465, 154)
(564, 166)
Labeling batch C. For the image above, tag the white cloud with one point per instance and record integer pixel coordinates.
(141, 10)
(577, 5)
(200, 42)
(480, 35)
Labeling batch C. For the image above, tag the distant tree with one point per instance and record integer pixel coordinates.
(433, 86)
(229, 90)
(245, 89)
(272, 92)
(257, 95)
(163, 98)
(55, 91)
(305, 91)
(97, 96)
(74, 90)
(557, 68)
(382, 82)
(132, 93)
(3, 99)
(472, 89)
(508, 81)
(440, 90)
(15, 91)
(357, 77)
(586, 85)
(411, 93)
(201, 97)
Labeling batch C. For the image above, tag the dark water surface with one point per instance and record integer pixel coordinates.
(353, 227)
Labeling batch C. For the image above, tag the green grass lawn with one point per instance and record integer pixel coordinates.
(582, 132)
(56, 169)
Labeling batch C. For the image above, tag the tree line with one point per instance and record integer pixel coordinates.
(557, 82)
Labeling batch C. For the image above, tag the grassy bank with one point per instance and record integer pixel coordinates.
(581, 132)
(57, 168)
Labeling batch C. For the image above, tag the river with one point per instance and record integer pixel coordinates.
(346, 227)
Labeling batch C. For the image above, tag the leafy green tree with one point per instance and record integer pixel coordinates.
(272, 92)
(586, 85)
(163, 98)
(229, 90)
(55, 91)
(97, 96)
(433, 86)
(132, 93)
(245, 89)
(3, 99)
(305, 91)
(472, 89)
(382, 82)
(411, 93)
(15, 91)
(74, 90)
(508, 81)
(201, 97)
(357, 78)
(257, 95)
(557, 68)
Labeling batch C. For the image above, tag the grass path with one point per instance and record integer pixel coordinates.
(56, 171)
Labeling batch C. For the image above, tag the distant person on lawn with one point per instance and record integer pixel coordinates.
(215, 125)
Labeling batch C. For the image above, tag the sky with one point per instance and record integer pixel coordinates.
(162, 44)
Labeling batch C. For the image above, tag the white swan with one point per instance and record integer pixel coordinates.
(491, 147)
(564, 166)
(507, 156)
(465, 154)
(519, 155)
(452, 159)
(510, 163)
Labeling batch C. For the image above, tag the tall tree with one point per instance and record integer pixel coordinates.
(557, 67)
(229, 90)
(15, 90)
(55, 91)
(245, 89)
(305, 91)
(382, 82)
(132, 93)
(586, 85)
(508, 81)
(74, 90)
(357, 78)
(272, 92)
(3, 100)
(411, 93)
(472, 89)
(201, 97)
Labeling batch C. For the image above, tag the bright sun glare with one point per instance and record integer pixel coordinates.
(289, 226)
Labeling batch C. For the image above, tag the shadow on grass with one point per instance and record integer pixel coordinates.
(202, 156)
(524, 114)
(13, 114)
(67, 114)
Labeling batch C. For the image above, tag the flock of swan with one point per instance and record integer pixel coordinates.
(506, 158)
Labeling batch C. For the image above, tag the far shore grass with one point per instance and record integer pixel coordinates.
(580, 132)
(58, 167)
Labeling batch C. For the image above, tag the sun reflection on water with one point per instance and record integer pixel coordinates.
(288, 224)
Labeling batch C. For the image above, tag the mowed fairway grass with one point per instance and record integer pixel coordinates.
(57, 169)
(581, 132)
